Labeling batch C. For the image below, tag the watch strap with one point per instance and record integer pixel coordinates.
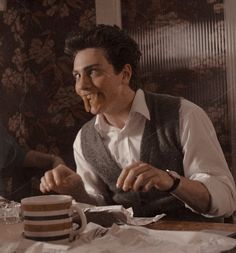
(176, 181)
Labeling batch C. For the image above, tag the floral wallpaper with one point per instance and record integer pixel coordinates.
(139, 13)
(184, 54)
(38, 104)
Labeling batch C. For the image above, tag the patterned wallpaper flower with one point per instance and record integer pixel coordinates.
(38, 103)
(138, 12)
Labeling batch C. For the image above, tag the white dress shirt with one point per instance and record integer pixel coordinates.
(203, 157)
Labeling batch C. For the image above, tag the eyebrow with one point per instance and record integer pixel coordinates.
(86, 68)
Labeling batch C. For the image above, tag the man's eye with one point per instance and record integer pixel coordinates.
(93, 72)
(77, 77)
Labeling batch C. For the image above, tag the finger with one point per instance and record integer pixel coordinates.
(42, 189)
(43, 186)
(60, 174)
(151, 183)
(133, 174)
(124, 173)
(157, 180)
(143, 179)
(48, 180)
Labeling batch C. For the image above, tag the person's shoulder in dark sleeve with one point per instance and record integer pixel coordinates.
(11, 153)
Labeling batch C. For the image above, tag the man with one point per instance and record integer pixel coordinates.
(155, 153)
(12, 156)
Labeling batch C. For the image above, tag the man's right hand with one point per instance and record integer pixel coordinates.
(62, 180)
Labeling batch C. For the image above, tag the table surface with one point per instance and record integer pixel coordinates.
(13, 231)
(226, 229)
(192, 226)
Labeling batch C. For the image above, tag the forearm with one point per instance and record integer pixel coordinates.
(64, 180)
(77, 189)
(80, 195)
(41, 160)
(194, 194)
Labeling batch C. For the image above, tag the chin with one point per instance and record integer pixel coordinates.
(95, 111)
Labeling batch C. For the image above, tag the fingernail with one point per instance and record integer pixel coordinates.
(126, 188)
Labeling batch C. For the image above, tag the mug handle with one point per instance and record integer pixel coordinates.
(83, 221)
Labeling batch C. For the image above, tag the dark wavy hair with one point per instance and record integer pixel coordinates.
(119, 47)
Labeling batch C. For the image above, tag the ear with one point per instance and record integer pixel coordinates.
(127, 73)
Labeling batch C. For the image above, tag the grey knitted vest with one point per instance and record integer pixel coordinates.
(160, 147)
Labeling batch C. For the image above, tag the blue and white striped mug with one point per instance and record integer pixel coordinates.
(49, 218)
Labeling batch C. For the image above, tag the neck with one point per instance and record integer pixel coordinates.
(117, 118)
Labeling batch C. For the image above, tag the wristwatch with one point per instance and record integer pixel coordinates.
(176, 177)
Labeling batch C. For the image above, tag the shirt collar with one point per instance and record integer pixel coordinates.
(139, 106)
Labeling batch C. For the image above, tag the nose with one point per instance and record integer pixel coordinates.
(82, 84)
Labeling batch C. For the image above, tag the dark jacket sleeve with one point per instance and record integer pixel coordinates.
(11, 154)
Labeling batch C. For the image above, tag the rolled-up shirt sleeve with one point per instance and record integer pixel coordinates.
(204, 159)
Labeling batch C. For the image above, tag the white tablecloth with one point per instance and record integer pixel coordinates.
(118, 239)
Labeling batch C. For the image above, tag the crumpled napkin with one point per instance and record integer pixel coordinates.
(127, 238)
(131, 239)
(107, 215)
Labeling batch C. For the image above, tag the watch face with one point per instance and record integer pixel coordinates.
(173, 173)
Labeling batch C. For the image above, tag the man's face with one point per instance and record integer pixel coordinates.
(96, 81)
